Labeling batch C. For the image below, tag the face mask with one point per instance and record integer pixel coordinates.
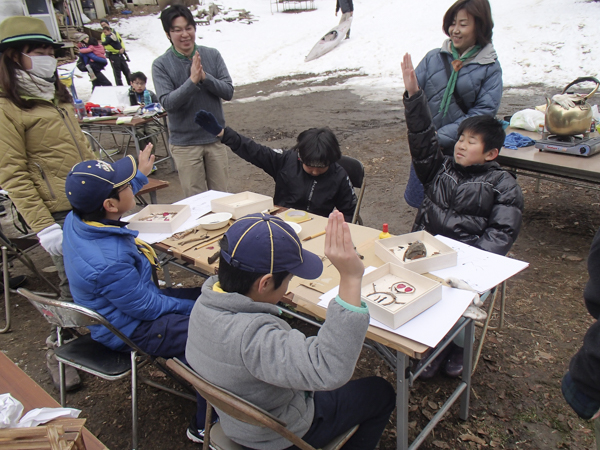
(43, 66)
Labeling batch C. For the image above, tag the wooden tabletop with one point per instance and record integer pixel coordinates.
(562, 165)
(137, 120)
(16, 382)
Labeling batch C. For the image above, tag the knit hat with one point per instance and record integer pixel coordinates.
(21, 29)
(89, 183)
(262, 243)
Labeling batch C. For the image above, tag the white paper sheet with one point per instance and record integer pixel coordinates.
(199, 204)
(480, 269)
(429, 327)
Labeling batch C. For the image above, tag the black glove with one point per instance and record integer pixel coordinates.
(209, 122)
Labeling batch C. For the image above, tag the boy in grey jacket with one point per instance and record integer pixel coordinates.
(237, 341)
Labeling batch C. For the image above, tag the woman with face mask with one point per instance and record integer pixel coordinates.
(461, 79)
(40, 138)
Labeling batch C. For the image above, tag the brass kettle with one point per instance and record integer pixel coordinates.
(572, 120)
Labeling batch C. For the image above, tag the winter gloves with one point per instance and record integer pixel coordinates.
(473, 310)
(207, 121)
(51, 239)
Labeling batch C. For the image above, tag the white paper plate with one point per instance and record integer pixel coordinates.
(214, 221)
(297, 228)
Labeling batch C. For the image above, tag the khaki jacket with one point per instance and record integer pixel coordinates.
(38, 148)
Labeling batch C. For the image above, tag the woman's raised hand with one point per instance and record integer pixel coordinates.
(408, 74)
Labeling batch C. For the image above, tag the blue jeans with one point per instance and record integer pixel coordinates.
(367, 402)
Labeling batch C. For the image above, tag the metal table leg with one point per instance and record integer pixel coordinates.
(402, 396)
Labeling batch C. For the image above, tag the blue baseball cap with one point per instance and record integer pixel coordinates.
(263, 243)
(89, 183)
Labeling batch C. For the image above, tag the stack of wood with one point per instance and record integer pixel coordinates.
(59, 434)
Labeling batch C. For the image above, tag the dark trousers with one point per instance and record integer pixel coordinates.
(118, 63)
(101, 79)
(367, 402)
(166, 337)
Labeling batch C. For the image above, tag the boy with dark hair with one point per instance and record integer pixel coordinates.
(468, 196)
(189, 77)
(110, 269)
(307, 176)
(301, 380)
(139, 95)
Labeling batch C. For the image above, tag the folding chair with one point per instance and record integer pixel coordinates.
(98, 149)
(356, 172)
(15, 249)
(242, 410)
(90, 356)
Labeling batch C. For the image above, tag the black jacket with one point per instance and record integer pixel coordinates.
(294, 188)
(585, 365)
(137, 99)
(480, 205)
(344, 5)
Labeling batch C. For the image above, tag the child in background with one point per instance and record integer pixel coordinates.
(139, 95)
(307, 177)
(238, 340)
(468, 196)
(93, 57)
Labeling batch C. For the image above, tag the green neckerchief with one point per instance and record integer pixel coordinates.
(456, 65)
(181, 55)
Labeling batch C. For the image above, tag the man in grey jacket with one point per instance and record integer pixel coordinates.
(238, 341)
(188, 78)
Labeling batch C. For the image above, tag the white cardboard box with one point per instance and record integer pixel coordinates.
(242, 204)
(427, 293)
(159, 226)
(439, 255)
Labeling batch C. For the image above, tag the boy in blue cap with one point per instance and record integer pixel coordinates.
(303, 381)
(110, 269)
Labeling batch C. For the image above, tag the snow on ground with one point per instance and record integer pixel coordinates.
(550, 42)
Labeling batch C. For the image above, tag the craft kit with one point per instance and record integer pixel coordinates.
(396, 295)
(160, 218)
(419, 252)
(242, 204)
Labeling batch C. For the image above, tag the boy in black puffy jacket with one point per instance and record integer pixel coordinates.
(468, 197)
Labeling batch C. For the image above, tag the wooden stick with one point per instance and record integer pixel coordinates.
(305, 220)
(320, 233)
(210, 241)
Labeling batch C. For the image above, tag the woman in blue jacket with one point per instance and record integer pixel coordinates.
(461, 79)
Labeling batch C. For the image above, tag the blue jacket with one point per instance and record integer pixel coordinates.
(109, 275)
(479, 84)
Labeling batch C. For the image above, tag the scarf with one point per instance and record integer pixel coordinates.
(456, 65)
(143, 247)
(34, 86)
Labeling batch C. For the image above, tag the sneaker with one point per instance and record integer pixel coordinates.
(91, 72)
(72, 380)
(154, 169)
(14, 282)
(196, 435)
(454, 362)
(3, 210)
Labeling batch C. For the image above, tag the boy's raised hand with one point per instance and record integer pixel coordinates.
(209, 122)
(408, 74)
(146, 160)
(340, 251)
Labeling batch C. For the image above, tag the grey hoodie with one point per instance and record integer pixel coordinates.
(242, 346)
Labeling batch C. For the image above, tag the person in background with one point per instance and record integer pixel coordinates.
(116, 56)
(93, 57)
(307, 177)
(40, 140)
(347, 8)
(461, 79)
(139, 95)
(189, 78)
(581, 383)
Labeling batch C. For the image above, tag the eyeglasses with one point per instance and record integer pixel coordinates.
(124, 187)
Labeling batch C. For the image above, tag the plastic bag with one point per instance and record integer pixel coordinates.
(527, 119)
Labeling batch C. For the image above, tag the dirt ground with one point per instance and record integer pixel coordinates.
(515, 399)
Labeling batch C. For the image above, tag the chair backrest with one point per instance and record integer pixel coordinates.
(70, 315)
(234, 406)
(97, 147)
(355, 170)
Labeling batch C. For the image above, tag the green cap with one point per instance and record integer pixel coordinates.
(21, 29)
